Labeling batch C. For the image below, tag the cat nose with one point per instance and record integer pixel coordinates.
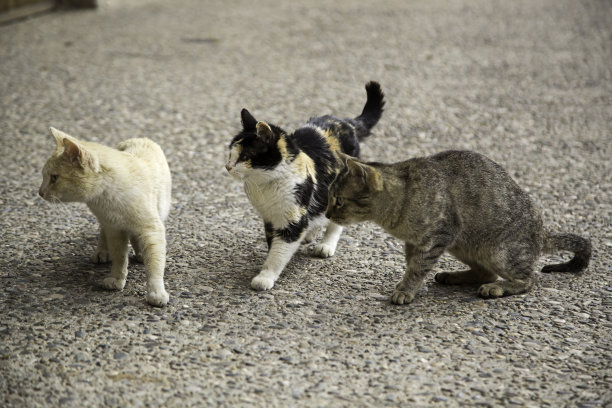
(40, 193)
(228, 166)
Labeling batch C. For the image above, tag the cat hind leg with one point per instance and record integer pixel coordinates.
(101, 254)
(137, 257)
(153, 245)
(515, 266)
(311, 235)
(327, 246)
(474, 275)
(117, 242)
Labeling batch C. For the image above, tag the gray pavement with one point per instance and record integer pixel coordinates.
(528, 83)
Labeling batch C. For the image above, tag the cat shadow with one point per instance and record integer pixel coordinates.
(72, 272)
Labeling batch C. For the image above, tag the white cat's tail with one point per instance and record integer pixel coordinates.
(581, 248)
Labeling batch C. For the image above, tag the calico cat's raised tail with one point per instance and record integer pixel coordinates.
(286, 176)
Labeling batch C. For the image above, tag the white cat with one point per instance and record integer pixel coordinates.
(128, 190)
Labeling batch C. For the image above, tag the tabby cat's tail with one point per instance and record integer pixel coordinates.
(581, 248)
(372, 111)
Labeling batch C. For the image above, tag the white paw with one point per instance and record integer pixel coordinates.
(111, 283)
(262, 282)
(100, 257)
(323, 250)
(158, 298)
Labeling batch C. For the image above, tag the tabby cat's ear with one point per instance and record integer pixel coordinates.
(248, 121)
(341, 157)
(79, 156)
(368, 174)
(264, 132)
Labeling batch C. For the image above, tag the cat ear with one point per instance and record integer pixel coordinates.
(79, 156)
(370, 176)
(374, 179)
(264, 132)
(248, 121)
(341, 157)
(59, 136)
(73, 152)
(354, 167)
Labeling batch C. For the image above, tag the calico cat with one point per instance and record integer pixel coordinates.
(128, 190)
(455, 201)
(286, 176)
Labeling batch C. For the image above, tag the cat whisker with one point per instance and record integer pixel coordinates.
(62, 205)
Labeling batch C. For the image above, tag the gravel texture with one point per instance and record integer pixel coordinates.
(528, 83)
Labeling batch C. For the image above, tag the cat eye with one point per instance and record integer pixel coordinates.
(53, 178)
(339, 202)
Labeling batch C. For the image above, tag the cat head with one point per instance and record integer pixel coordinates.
(72, 171)
(254, 149)
(352, 191)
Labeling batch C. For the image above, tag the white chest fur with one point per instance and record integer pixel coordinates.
(272, 193)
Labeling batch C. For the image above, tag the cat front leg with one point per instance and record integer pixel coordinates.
(419, 262)
(101, 254)
(117, 243)
(153, 245)
(279, 254)
(327, 246)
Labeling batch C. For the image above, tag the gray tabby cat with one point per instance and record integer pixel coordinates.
(455, 201)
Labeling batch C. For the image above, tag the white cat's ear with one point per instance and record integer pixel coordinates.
(78, 155)
(248, 121)
(59, 136)
(264, 132)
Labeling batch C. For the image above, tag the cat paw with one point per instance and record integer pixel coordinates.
(100, 257)
(322, 250)
(262, 282)
(446, 278)
(137, 258)
(158, 298)
(401, 297)
(490, 290)
(113, 283)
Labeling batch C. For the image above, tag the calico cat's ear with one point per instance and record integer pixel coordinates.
(248, 121)
(370, 176)
(264, 132)
(79, 156)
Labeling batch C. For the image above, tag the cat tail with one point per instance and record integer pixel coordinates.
(581, 248)
(372, 111)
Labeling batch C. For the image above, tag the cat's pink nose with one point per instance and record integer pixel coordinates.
(228, 166)
(40, 193)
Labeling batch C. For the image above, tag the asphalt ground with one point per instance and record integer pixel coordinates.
(527, 83)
